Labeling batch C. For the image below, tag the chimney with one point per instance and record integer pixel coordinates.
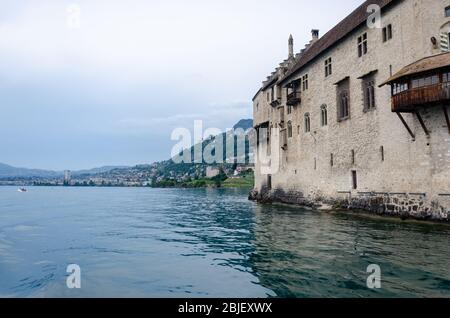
(291, 47)
(315, 34)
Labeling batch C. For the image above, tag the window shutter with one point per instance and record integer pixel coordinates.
(444, 42)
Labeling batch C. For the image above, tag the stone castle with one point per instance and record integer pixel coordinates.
(359, 119)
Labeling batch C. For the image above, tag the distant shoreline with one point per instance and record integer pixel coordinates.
(118, 186)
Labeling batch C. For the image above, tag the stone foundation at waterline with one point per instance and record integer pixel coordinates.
(403, 205)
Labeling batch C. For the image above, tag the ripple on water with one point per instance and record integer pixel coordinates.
(205, 243)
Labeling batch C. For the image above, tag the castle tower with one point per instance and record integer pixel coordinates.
(291, 46)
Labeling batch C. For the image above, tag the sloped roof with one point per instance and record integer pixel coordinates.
(269, 83)
(424, 65)
(346, 26)
(256, 95)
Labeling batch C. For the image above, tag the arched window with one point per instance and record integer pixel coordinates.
(323, 115)
(289, 129)
(447, 12)
(307, 123)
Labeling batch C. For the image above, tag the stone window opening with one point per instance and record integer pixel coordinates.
(344, 112)
(354, 180)
(382, 153)
(305, 82)
(387, 33)
(343, 100)
(307, 123)
(289, 110)
(323, 115)
(353, 156)
(269, 141)
(328, 67)
(290, 130)
(362, 45)
(369, 94)
(332, 160)
(447, 12)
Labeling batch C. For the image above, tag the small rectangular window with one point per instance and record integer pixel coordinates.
(382, 153)
(447, 12)
(387, 33)
(328, 67)
(425, 81)
(324, 115)
(398, 88)
(332, 160)
(307, 123)
(305, 84)
(353, 156)
(354, 180)
(362, 45)
(446, 77)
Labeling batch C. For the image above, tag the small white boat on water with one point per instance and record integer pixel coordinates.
(22, 190)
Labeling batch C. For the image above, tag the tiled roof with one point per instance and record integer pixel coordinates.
(424, 65)
(346, 26)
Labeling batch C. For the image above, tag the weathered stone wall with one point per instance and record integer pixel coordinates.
(403, 205)
(409, 166)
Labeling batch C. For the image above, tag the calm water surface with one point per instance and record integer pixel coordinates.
(207, 243)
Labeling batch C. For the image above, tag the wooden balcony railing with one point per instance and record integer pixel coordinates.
(409, 100)
(294, 98)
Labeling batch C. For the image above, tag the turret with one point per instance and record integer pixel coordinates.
(291, 47)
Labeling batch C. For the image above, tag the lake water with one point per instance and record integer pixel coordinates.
(132, 242)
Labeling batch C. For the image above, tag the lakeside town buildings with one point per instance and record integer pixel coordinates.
(360, 117)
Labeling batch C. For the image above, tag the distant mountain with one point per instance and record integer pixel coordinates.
(244, 124)
(240, 148)
(7, 171)
(97, 170)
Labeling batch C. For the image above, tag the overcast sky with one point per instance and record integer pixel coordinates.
(110, 90)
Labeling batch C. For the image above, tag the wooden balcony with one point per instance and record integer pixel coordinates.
(294, 98)
(409, 100)
(427, 83)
